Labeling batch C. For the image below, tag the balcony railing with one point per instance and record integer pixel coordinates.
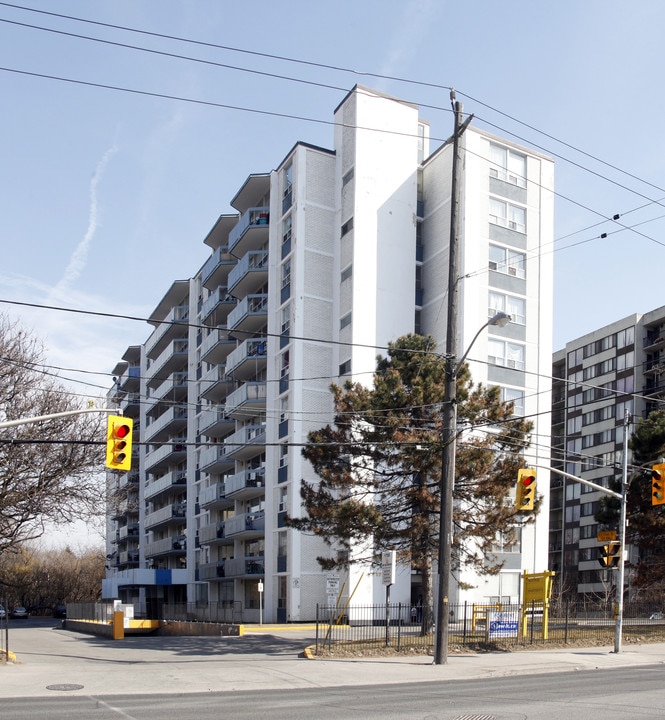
(256, 217)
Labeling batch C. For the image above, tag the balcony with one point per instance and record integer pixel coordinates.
(244, 567)
(215, 385)
(246, 442)
(173, 421)
(173, 326)
(130, 380)
(172, 358)
(173, 514)
(654, 340)
(246, 484)
(654, 366)
(249, 397)
(250, 314)
(216, 346)
(215, 423)
(176, 545)
(174, 481)
(129, 404)
(214, 534)
(248, 359)
(216, 268)
(250, 274)
(251, 231)
(170, 453)
(174, 387)
(214, 497)
(217, 306)
(212, 571)
(215, 460)
(246, 525)
(128, 531)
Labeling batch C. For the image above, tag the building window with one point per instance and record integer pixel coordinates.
(345, 367)
(507, 165)
(347, 273)
(286, 229)
(347, 177)
(507, 261)
(347, 226)
(288, 179)
(346, 320)
(508, 215)
(508, 542)
(514, 306)
(286, 273)
(512, 395)
(286, 319)
(507, 354)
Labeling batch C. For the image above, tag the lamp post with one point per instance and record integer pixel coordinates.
(449, 438)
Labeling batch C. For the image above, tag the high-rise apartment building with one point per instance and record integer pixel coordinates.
(597, 379)
(325, 260)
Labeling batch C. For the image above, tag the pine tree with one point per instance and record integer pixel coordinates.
(379, 468)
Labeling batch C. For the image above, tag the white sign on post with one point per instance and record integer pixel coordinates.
(388, 558)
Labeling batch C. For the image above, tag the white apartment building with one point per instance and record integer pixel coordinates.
(597, 378)
(325, 260)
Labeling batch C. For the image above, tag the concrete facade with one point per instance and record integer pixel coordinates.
(328, 257)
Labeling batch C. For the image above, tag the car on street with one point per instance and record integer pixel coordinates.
(18, 612)
(60, 611)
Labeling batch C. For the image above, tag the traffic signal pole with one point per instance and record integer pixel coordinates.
(623, 499)
(66, 413)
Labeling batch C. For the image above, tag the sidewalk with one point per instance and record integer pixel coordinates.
(57, 661)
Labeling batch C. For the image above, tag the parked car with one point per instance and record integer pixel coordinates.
(656, 616)
(60, 611)
(3, 614)
(18, 612)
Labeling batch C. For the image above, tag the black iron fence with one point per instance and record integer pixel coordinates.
(477, 626)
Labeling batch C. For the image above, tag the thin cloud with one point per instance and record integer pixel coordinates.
(77, 261)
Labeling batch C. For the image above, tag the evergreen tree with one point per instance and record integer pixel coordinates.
(646, 523)
(379, 468)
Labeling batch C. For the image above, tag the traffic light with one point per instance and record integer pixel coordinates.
(525, 496)
(610, 554)
(119, 442)
(658, 484)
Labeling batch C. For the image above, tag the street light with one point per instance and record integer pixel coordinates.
(501, 319)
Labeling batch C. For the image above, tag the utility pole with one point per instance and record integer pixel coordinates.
(449, 413)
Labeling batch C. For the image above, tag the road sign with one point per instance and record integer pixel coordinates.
(607, 536)
(332, 584)
(388, 567)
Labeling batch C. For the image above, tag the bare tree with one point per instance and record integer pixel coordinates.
(49, 471)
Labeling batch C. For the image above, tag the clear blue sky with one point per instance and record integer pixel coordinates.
(107, 195)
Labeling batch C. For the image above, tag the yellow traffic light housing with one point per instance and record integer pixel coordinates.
(658, 484)
(119, 442)
(610, 554)
(525, 495)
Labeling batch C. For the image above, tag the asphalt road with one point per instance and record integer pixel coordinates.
(608, 695)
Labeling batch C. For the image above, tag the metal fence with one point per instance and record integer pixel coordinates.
(219, 612)
(479, 626)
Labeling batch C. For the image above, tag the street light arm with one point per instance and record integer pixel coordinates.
(501, 319)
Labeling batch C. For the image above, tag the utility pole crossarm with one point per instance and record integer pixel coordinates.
(66, 413)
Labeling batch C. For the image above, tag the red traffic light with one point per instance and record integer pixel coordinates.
(528, 480)
(121, 431)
